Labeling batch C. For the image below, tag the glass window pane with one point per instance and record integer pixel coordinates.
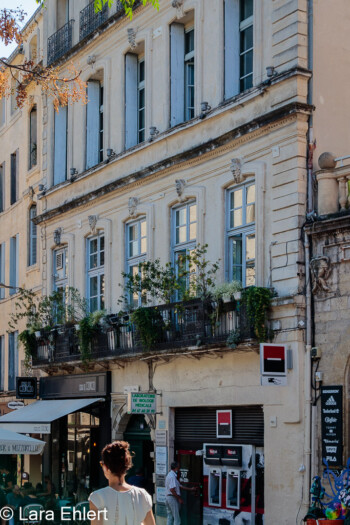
(246, 63)
(237, 198)
(144, 245)
(93, 304)
(237, 250)
(247, 38)
(102, 292)
(251, 194)
(102, 258)
(193, 231)
(93, 286)
(183, 216)
(93, 261)
(93, 245)
(250, 247)
(141, 71)
(102, 243)
(247, 7)
(237, 218)
(250, 275)
(189, 41)
(132, 232)
(250, 214)
(193, 213)
(143, 229)
(182, 234)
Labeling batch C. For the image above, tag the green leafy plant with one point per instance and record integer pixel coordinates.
(128, 5)
(201, 273)
(28, 340)
(88, 327)
(149, 324)
(226, 290)
(233, 339)
(257, 301)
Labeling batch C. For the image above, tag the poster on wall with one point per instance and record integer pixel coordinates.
(224, 423)
(332, 425)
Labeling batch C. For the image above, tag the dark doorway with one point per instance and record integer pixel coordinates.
(138, 434)
(191, 471)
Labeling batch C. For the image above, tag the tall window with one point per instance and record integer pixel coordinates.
(141, 102)
(241, 234)
(94, 124)
(14, 264)
(184, 234)
(32, 245)
(60, 269)
(2, 188)
(182, 74)
(12, 360)
(60, 146)
(14, 178)
(96, 272)
(2, 362)
(135, 102)
(33, 140)
(136, 249)
(239, 46)
(2, 269)
(189, 74)
(246, 44)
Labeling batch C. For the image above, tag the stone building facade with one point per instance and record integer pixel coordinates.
(195, 114)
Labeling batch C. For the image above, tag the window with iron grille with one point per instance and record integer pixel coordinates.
(136, 250)
(32, 255)
(184, 237)
(240, 220)
(96, 272)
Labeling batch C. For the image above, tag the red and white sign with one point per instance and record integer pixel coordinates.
(224, 423)
(273, 359)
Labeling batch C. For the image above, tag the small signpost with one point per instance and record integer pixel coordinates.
(141, 403)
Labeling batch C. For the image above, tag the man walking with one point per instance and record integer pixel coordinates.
(173, 495)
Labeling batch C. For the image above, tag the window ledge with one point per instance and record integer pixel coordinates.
(32, 268)
(32, 171)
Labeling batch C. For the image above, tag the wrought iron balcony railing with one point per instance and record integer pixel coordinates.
(60, 42)
(175, 326)
(90, 20)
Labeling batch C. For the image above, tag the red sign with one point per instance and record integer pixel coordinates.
(224, 423)
(273, 359)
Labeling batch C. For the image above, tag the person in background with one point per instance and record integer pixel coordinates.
(14, 498)
(3, 503)
(8, 479)
(81, 494)
(173, 498)
(31, 498)
(138, 480)
(50, 487)
(123, 503)
(39, 488)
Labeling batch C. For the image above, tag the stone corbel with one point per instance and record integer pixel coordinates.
(132, 37)
(179, 6)
(180, 185)
(92, 223)
(132, 205)
(236, 170)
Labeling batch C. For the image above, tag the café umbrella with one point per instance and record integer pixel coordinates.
(13, 443)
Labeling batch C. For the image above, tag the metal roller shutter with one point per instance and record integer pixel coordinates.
(195, 426)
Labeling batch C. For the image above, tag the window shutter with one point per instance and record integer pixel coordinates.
(59, 260)
(60, 160)
(2, 192)
(13, 178)
(92, 123)
(177, 74)
(2, 268)
(232, 47)
(130, 100)
(11, 363)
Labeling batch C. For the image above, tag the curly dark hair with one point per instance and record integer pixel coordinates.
(117, 457)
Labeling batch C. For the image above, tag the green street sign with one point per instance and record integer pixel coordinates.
(141, 403)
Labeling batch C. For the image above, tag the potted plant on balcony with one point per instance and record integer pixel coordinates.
(257, 301)
(88, 327)
(228, 291)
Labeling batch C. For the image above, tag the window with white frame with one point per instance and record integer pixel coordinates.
(96, 272)
(60, 269)
(141, 101)
(240, 219)
(189, 74)
(12, 360)
(184, 237)
(32, 244)
(136, 250)
(2, 362)
(246, 44)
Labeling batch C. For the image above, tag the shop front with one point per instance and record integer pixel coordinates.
(73, 417)
(220, 451)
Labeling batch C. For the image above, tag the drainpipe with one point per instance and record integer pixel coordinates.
(308, 448)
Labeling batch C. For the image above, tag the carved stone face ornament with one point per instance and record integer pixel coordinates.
(132, 205)
(320, 271)
(236, 169)
(92, 222)
(180, 185)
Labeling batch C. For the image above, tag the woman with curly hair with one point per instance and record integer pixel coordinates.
(123, 504)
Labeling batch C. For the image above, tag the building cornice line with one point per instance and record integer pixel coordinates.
(190, 155)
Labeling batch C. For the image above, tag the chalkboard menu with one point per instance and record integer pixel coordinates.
(332, 425)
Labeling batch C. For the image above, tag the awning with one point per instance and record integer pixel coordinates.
(13, 443)
(36, 417)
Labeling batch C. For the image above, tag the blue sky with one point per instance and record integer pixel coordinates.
(29, 6)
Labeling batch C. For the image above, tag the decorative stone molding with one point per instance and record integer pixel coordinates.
(179, 6)
(92, 222)
(132, 37)
(236, 170)
(91, 60)
(320, 272)
(57, 236)
(132, 205)
(180, 185)
(120, 416)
